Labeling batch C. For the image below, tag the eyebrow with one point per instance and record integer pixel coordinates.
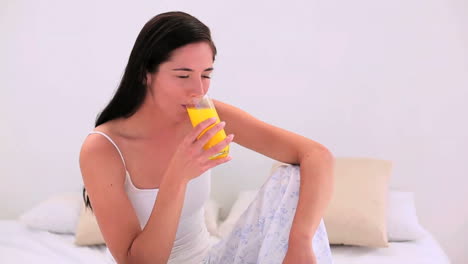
(190, 70)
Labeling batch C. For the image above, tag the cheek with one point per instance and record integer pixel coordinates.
(164, 85)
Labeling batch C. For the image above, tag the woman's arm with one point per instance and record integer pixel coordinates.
(104, 176)
(154, 243)
(315, 160)
(316, 187)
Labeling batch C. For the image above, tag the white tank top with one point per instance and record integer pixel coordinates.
(192, 240)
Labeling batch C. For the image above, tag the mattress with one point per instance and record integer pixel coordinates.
(20, 244)
(423, 251)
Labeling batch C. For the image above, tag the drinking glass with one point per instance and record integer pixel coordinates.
(201, 109)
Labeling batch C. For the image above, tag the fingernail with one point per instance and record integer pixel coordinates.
(231, 137)
(222, 123)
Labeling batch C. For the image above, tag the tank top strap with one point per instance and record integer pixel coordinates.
(113, 143)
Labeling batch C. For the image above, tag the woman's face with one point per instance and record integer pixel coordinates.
(186, 75)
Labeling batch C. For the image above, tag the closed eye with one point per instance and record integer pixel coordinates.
(185, 77)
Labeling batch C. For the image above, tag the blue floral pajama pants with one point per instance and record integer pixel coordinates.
(261, 234)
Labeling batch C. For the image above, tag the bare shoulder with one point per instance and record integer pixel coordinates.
(104, 177)
(226, 109)
(235, 118)
(240, 123)
(98, 153)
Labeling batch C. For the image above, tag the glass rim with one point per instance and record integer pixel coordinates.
(201, 102)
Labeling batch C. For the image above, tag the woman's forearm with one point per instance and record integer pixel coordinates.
(155, 242)
(316, 186)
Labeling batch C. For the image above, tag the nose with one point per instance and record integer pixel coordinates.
(198, 88)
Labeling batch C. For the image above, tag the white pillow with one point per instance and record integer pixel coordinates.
(58, 214)
(402, 220)
(243, 201)
(211, 216)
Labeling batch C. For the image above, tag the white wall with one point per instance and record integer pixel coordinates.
(365, 78)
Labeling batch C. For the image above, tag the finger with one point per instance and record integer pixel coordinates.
(218, 147)
(200, 127)
(209, 134)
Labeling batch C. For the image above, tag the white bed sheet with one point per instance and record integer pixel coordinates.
(19, 244)
(423, 251)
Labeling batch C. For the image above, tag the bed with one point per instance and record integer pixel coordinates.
(381, 227)
(20, 244)
(423, 251)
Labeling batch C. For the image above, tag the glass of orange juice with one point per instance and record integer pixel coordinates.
(199, 111)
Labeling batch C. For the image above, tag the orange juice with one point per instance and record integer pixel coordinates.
(198, 115)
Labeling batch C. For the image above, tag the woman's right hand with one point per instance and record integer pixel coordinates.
(190, 160)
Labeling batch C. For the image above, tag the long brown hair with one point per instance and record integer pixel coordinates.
(157, 39)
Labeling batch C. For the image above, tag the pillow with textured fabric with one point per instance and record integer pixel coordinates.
(87, 231)
(357, 211)
(57, 214)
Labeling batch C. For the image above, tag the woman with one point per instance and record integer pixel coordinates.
(144, 147)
